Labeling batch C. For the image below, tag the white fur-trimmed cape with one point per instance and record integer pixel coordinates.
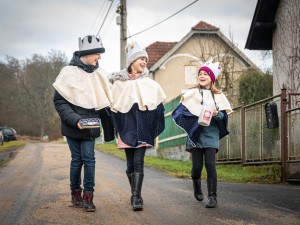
(144, 91)
(192, 98)
(87, 90)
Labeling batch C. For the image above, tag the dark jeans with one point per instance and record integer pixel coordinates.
(135, 160)
(83, 154)
(210, 165)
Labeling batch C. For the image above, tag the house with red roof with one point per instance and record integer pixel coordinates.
(174, 65)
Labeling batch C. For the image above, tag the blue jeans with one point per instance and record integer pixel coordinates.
(83, 154)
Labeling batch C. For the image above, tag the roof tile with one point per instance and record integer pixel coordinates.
(156, 50)
(204, 26)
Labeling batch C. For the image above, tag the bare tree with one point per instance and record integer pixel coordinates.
(211, 46)
(26, 93)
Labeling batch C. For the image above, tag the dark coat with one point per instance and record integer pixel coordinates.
(70, 114)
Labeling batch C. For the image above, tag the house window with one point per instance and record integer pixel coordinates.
(190, 73)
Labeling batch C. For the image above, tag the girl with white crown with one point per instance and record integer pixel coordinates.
(204, 132)
(137, 114)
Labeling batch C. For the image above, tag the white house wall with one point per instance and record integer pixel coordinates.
(286, 47)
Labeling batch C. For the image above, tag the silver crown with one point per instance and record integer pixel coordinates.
(90, 42)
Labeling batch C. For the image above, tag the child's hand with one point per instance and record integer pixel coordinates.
(78, 125)
(215, 113)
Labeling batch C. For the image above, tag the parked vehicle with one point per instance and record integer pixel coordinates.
(1, 138)
(9, 134)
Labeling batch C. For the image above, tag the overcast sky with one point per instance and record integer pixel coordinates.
(37, 26)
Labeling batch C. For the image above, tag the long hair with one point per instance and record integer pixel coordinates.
(212, 87)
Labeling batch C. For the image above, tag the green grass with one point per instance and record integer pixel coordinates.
(60, 140)
(227, 173)
(2, 162)
(8, 146)
(11, 144)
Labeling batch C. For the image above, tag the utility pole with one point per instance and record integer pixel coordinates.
(122, 21)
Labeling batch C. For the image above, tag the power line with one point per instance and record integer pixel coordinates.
(105, 7)
(105, 17)
(163, 20)
(129, 35)
(93, 24)
(110, 17)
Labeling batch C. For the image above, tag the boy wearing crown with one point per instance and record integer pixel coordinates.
(204, 140)
(138, 115)
(82, 91)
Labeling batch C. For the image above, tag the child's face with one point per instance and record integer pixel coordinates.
(92, 59)
(204, 79)
(139, 65)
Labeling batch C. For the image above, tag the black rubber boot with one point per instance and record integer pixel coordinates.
(197, 189)
(129, 175)
(77, 200)
(88, 204)
(212, 193)
(136, 188)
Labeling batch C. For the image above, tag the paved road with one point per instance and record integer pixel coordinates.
(34, 189)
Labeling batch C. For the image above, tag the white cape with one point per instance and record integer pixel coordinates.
(87, 90)
(192, 98)
(144, 91)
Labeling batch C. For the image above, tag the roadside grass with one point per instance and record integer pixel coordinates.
(2, 162)
(60, 140)
(8, 147)
(11, 144)
(227, 173)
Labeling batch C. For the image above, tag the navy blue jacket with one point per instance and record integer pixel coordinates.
(200, 136)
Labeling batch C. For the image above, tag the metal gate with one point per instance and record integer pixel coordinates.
(291, 138)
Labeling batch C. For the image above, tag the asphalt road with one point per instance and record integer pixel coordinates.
(34, 189)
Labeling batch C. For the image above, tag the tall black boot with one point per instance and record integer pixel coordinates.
(136, 188)
(197, 189)
(212, 193)
(129, 176)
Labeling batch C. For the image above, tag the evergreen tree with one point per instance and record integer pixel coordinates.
(255, 86)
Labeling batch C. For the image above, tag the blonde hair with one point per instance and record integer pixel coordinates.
(213, 88)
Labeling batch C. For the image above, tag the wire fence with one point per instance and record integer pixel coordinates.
(293, 135)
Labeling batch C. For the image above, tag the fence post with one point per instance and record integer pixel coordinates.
(283, 102)
(243, 127)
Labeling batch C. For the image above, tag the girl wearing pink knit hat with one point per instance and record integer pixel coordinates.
(204, 127)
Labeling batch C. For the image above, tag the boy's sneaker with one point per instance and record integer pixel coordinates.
(88, 204)
(77, 200)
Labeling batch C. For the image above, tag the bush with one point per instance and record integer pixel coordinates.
(255, 86)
